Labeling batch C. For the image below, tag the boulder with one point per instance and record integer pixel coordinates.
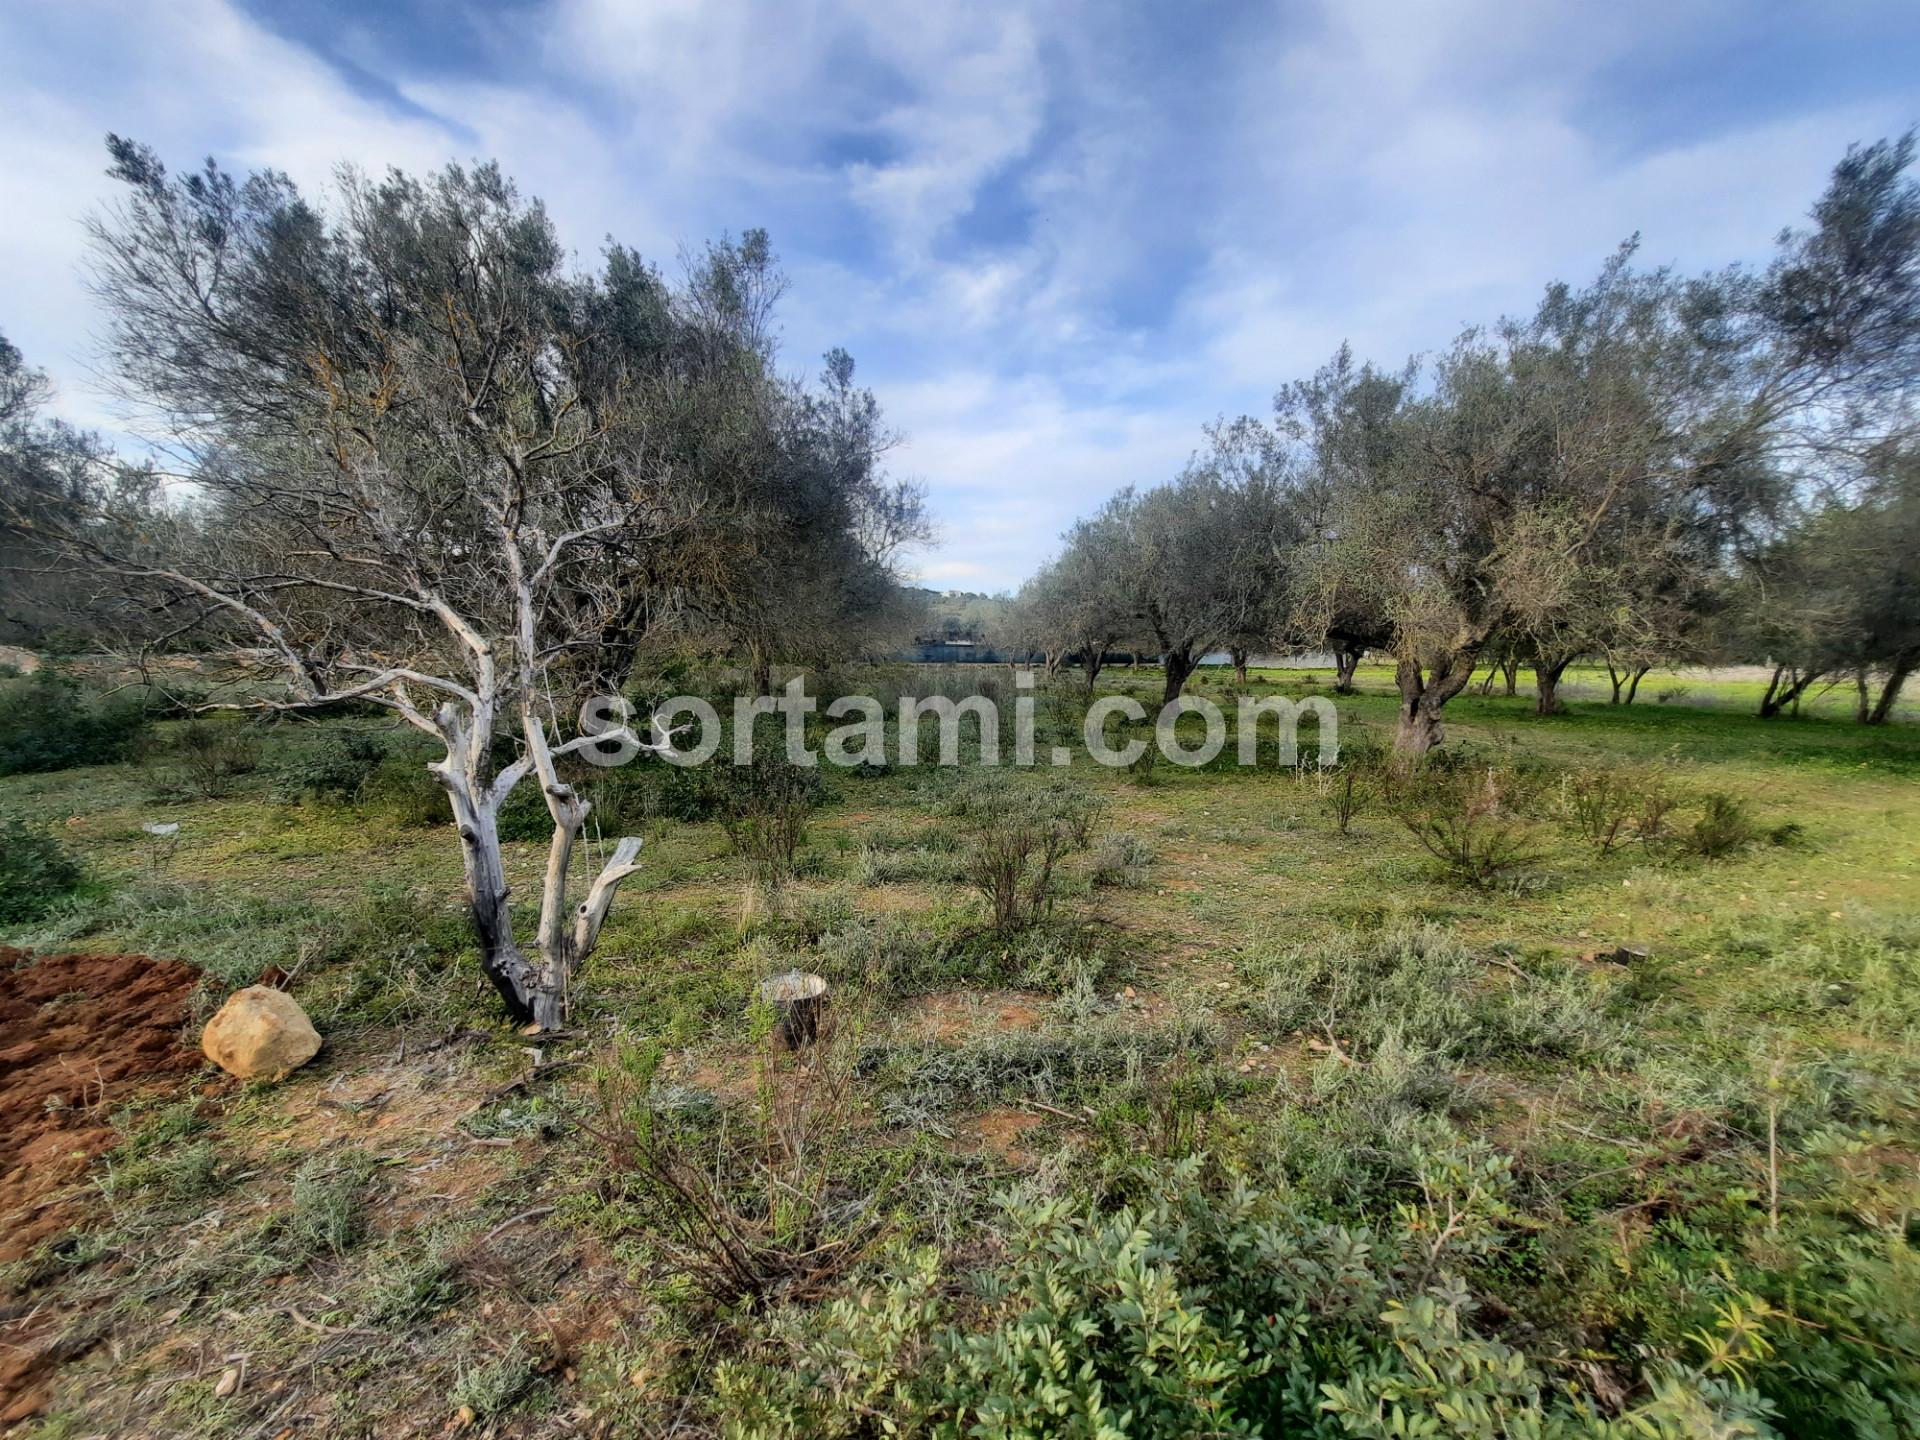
(14, 658)
(260, 1033)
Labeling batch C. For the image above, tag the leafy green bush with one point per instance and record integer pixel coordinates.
(403, 787)
(48, 722)
(338, 770)
(36, 873)
(764, 807)
(1217, 1309)
(1723, 828)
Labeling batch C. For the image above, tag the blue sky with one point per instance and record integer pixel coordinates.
(1057, 237)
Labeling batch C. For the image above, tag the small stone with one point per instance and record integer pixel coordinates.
(228, 1383)
(260, 1033)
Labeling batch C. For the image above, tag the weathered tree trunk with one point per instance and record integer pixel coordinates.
(1345, 662)
(1133, 660)
(1179, 665)
(1618, 679)
(762, 673)
(1890, 692)
(1239, 666)
(1510, 670)
(1092, 659)
(488, 905)
(1863, 703)
(1422, 697)
(1633, 687)
(1546, 684)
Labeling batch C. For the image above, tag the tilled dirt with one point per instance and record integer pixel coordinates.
(78, 1035)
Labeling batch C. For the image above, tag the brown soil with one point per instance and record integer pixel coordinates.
(956, 1014)
(78, 1035)
(1000, 1132)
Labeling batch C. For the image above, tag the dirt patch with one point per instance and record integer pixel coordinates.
(78, 1035)
(1001, 1133)
(956, 1014)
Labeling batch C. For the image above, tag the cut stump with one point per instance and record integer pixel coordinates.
(799, 999)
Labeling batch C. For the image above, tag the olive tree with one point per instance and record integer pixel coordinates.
(428, 468)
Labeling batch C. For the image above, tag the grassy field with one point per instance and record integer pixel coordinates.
(1677, 1184)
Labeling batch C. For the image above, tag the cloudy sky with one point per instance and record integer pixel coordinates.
(1057, 237)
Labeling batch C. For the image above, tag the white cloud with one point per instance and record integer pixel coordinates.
(1059, 236)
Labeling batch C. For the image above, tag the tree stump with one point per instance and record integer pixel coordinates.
(800, 1001)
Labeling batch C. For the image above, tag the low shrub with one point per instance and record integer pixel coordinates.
(1209, 1306)
(1016, 834)
(1122, 860)
(338, 770)
(48, 722)
(1421, 990)
(1466, 822)
(1609, 808)
(1723, 828)
(208, 756)
(36, 872)
(763, 808)
(750, 1213)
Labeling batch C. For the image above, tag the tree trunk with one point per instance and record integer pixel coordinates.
(1133, 660)
(762, 674)
(1345, 662)
(1422, 697)
(1180, 665)
(488, 905)
(1633, 687)
(1239, 666)
(1618, 680)
(534, 987)
(1863, 705)
(1780, 696)
(1510, 669)
(1546, 684)
(1092, 661)
(1890, 692)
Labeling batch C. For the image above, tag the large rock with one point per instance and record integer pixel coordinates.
(14, 658)
(260, 1033)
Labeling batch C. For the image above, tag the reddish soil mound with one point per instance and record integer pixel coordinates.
(78, 1034)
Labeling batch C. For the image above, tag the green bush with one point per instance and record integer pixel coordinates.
(1468, 821)
(208, 756)
(1016, 834)
(36, 873)
(1723, 828)
(338, 770)
(763, 807)
(49, 723)
(1215, 1309)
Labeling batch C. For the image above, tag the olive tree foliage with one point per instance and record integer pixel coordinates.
(1345, 427)
(1837, 595)
(1248, 460)
(1178, 540)
(802, 562)
(1079, 604)
(432, 466)
(51, 475)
